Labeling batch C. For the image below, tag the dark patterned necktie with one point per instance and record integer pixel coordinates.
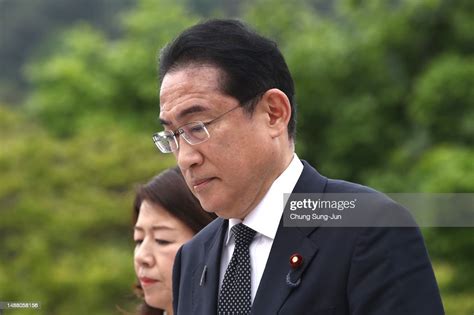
(235, 296)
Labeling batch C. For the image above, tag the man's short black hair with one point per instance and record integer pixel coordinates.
(251, 64)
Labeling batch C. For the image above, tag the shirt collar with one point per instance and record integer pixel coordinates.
(265, 217)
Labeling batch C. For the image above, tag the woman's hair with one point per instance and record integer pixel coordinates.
(169, 190)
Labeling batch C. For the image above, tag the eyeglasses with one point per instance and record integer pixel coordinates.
(193, 132)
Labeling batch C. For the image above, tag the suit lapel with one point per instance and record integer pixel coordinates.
(207, 277)
(274, 289)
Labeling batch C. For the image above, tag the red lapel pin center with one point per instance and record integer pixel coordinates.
(296, 260)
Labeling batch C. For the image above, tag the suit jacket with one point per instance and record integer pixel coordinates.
(351, 270)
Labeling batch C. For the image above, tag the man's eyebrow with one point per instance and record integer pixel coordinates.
(188, 111)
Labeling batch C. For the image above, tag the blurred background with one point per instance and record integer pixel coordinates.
(385, 91)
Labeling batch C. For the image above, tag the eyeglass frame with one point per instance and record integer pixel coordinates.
(180, 131)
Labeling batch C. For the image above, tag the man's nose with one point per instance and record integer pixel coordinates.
(188, 155)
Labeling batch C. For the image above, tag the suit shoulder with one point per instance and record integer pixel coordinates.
(337, 186)
(312, 182)
(206, 234)
(342, 186)
(377, 205)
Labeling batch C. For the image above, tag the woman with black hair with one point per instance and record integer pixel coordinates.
(165, 216)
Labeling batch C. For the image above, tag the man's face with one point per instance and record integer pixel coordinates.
(228, 172)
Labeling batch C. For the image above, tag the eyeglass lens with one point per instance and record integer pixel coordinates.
(195, 133)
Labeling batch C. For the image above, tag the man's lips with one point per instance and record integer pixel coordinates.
(147, 281)
(201, 183)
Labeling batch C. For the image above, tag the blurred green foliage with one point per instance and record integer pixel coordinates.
(384, 93)
(27, 26)
(66, 214)
(88, 79)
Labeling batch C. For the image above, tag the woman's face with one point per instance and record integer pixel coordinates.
(158, 236)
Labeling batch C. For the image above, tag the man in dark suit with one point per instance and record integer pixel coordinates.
(227, 106)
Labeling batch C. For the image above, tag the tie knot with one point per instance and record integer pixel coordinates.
(243, 234)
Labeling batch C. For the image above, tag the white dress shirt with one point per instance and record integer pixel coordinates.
(264, 219)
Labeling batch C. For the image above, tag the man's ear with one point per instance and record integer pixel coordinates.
(277, 109)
